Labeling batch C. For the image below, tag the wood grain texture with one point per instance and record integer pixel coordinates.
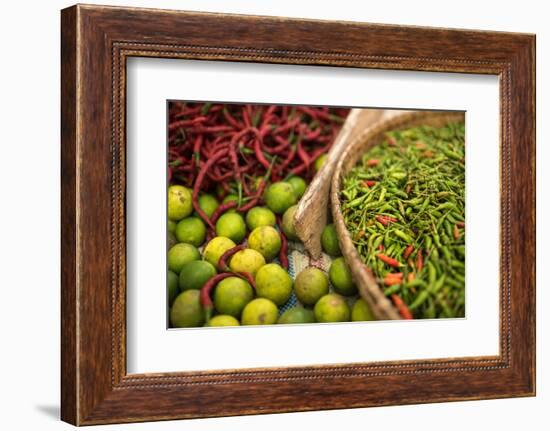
(96, 41)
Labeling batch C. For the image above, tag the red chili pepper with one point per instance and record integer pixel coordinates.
(259, 154)
(461, 224)
(386, 220)
(456, 232)
(388, 260)
(419, 261)
(283, 253)
(381, 247)
(221, 209)
(369, 183)
(373, 162)
(393, 278)
(401, 307)
(408, 251)
(222, 262)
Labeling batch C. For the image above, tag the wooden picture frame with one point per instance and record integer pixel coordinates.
(95, 42)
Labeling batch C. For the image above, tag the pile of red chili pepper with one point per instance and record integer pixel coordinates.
(238, 147)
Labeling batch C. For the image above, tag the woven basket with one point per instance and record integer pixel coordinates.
(368, 287)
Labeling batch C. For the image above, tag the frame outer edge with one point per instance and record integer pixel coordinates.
(69, 304)
(89, 400)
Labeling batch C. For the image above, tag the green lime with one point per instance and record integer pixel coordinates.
(297, 315)
(329, 241)
(260, 311)
(266, 240)
(191, 230)
(171, 226)
(340, 277)
(194, 274)
(171, 240)
(279, 197)
(208, 204)
(247, 260)
(319, 162)
(299, 185)
(180, 203)
(180, 254)
(310, 285)
(232, 226)
(260, 216)
(288, 223)
(230, 198)
(187, 311)
(331, 308)
(231, 295)
(274, 283)
(172, 282)
(361, 311)
(215, 248)
(223, 320)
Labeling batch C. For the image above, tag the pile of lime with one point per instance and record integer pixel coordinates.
(194, 258)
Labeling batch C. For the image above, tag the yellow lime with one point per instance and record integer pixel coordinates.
(332, 308)
(280, 196)
(247, 260)
(274, 283)
(310, 285)
(266, 240)
(260, 216)
(187, 311)
(191, 230)
(231, 295)
(194, 274)
(180, 203)
(340, 277)
(260, 311)
(361, 311)
(232, 226)
(223, 320)
(215, 248)
(180, 254)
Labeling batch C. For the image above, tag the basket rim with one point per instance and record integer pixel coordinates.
(369, 288)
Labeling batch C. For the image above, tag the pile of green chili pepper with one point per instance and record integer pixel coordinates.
(404, 207)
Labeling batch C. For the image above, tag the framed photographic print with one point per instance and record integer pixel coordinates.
(251, 205)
